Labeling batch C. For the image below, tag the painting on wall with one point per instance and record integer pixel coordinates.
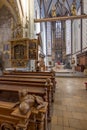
(32, 54)
(19, 56)
(19, 52)
(33, 50)
(32, 45)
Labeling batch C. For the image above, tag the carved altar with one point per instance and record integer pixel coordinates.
(23, 50)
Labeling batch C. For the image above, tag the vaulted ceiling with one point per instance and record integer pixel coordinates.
(8, 8)
(63, 7)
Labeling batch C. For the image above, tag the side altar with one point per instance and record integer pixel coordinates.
(23, 50)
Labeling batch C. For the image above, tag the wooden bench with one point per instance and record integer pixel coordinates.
(16, 88)
(40, 79)
(45, 73)
(22, 84)
(35, 75)
(85, 85)
(28, 80)
(12, 118)
(31, 81)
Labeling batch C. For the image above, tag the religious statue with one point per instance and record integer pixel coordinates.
(73, 8)
(53, 11)
(37, 66)
(27, 101)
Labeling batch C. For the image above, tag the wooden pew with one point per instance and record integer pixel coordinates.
(45, 73)
(42, 79)
(27, 80)
(23, 84)
(34, 77)
(11, 118)
(16, 88)
(41, 75)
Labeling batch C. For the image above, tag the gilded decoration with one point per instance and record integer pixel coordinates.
(33, 50)
(19, 55)
(23, 50)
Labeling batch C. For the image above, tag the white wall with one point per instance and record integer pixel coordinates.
(20, 10)
(84, 27)
(36, 16)
(27, 17)
(43, 36)
(68, 37)
(76, 36)
(37, 28)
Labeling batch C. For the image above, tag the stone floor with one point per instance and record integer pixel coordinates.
(70, 105)
(70, 74)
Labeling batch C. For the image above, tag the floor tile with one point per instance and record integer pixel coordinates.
(70, 105)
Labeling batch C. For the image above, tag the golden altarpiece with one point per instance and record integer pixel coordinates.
(23, 50)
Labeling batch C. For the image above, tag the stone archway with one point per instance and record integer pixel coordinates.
(9, 20)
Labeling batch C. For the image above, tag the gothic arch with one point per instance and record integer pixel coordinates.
(12, 7)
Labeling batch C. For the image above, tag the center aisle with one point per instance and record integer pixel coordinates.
(70, 105)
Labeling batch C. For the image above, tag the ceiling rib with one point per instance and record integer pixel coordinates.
(7, 4)
(44, 8)
(58, 5)
(68, 7)
(60, 18)
(49, 7)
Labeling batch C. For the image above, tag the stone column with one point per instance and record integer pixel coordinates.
(53, 39)
(31, 18)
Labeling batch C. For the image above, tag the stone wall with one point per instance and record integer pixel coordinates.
(5, 34)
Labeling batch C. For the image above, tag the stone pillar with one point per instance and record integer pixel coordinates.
(31, 19)
(53, 39)
(28, 19)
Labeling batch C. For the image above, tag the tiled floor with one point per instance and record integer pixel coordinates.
(70, 105)
(70, 74)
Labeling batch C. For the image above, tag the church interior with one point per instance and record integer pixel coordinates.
(43, 64)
